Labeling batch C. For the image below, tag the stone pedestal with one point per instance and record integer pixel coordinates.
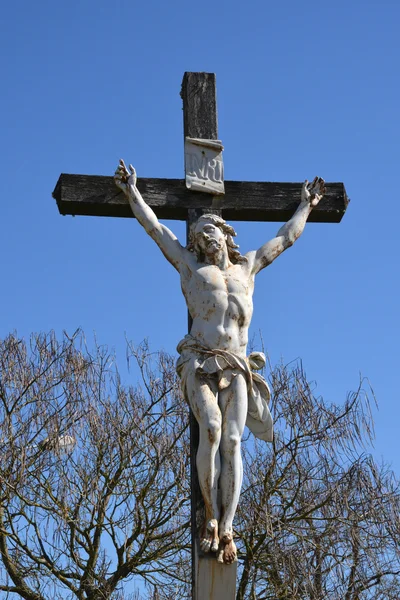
(214, 581)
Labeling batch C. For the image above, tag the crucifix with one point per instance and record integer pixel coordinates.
(220, 383)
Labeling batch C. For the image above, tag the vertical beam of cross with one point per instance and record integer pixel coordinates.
(199, 121)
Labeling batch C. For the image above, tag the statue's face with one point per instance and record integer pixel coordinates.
(209, 237)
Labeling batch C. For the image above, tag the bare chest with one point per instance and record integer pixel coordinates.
(212, 280)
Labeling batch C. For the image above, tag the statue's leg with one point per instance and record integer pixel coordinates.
(202, 397)
(233, 404)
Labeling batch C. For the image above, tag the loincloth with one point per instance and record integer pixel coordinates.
(222, 366)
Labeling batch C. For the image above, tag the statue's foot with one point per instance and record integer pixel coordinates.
(209, 540)
(227, 551)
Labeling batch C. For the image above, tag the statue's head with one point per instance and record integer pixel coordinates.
(210, 232)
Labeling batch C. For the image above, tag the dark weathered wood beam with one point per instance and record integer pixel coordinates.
(97, 195)
(199, 97)
(199, 103)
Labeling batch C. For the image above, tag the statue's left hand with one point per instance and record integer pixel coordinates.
(313, 192)
(124, 178)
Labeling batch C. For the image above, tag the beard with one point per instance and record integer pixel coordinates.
(212, 246)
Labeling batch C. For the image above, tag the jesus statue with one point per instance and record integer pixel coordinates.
(219, 380)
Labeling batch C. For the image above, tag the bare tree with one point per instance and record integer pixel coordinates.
(93, 481)
(94, 485)
(318, 518)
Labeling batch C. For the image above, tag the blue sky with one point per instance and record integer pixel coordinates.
(304, 88)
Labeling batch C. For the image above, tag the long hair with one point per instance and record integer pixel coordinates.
(233, 253)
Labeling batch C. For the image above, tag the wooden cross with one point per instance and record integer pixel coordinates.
(170, 199)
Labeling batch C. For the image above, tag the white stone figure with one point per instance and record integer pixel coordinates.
(218, 379)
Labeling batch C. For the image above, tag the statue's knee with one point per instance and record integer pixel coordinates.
(214, 431)
(231, 443)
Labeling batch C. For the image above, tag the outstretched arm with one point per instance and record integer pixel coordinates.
(164, 238)
(311, 194)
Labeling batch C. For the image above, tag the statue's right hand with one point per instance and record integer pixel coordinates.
(124, 178)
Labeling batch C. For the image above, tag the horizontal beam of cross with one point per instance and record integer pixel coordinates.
(98, 195)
